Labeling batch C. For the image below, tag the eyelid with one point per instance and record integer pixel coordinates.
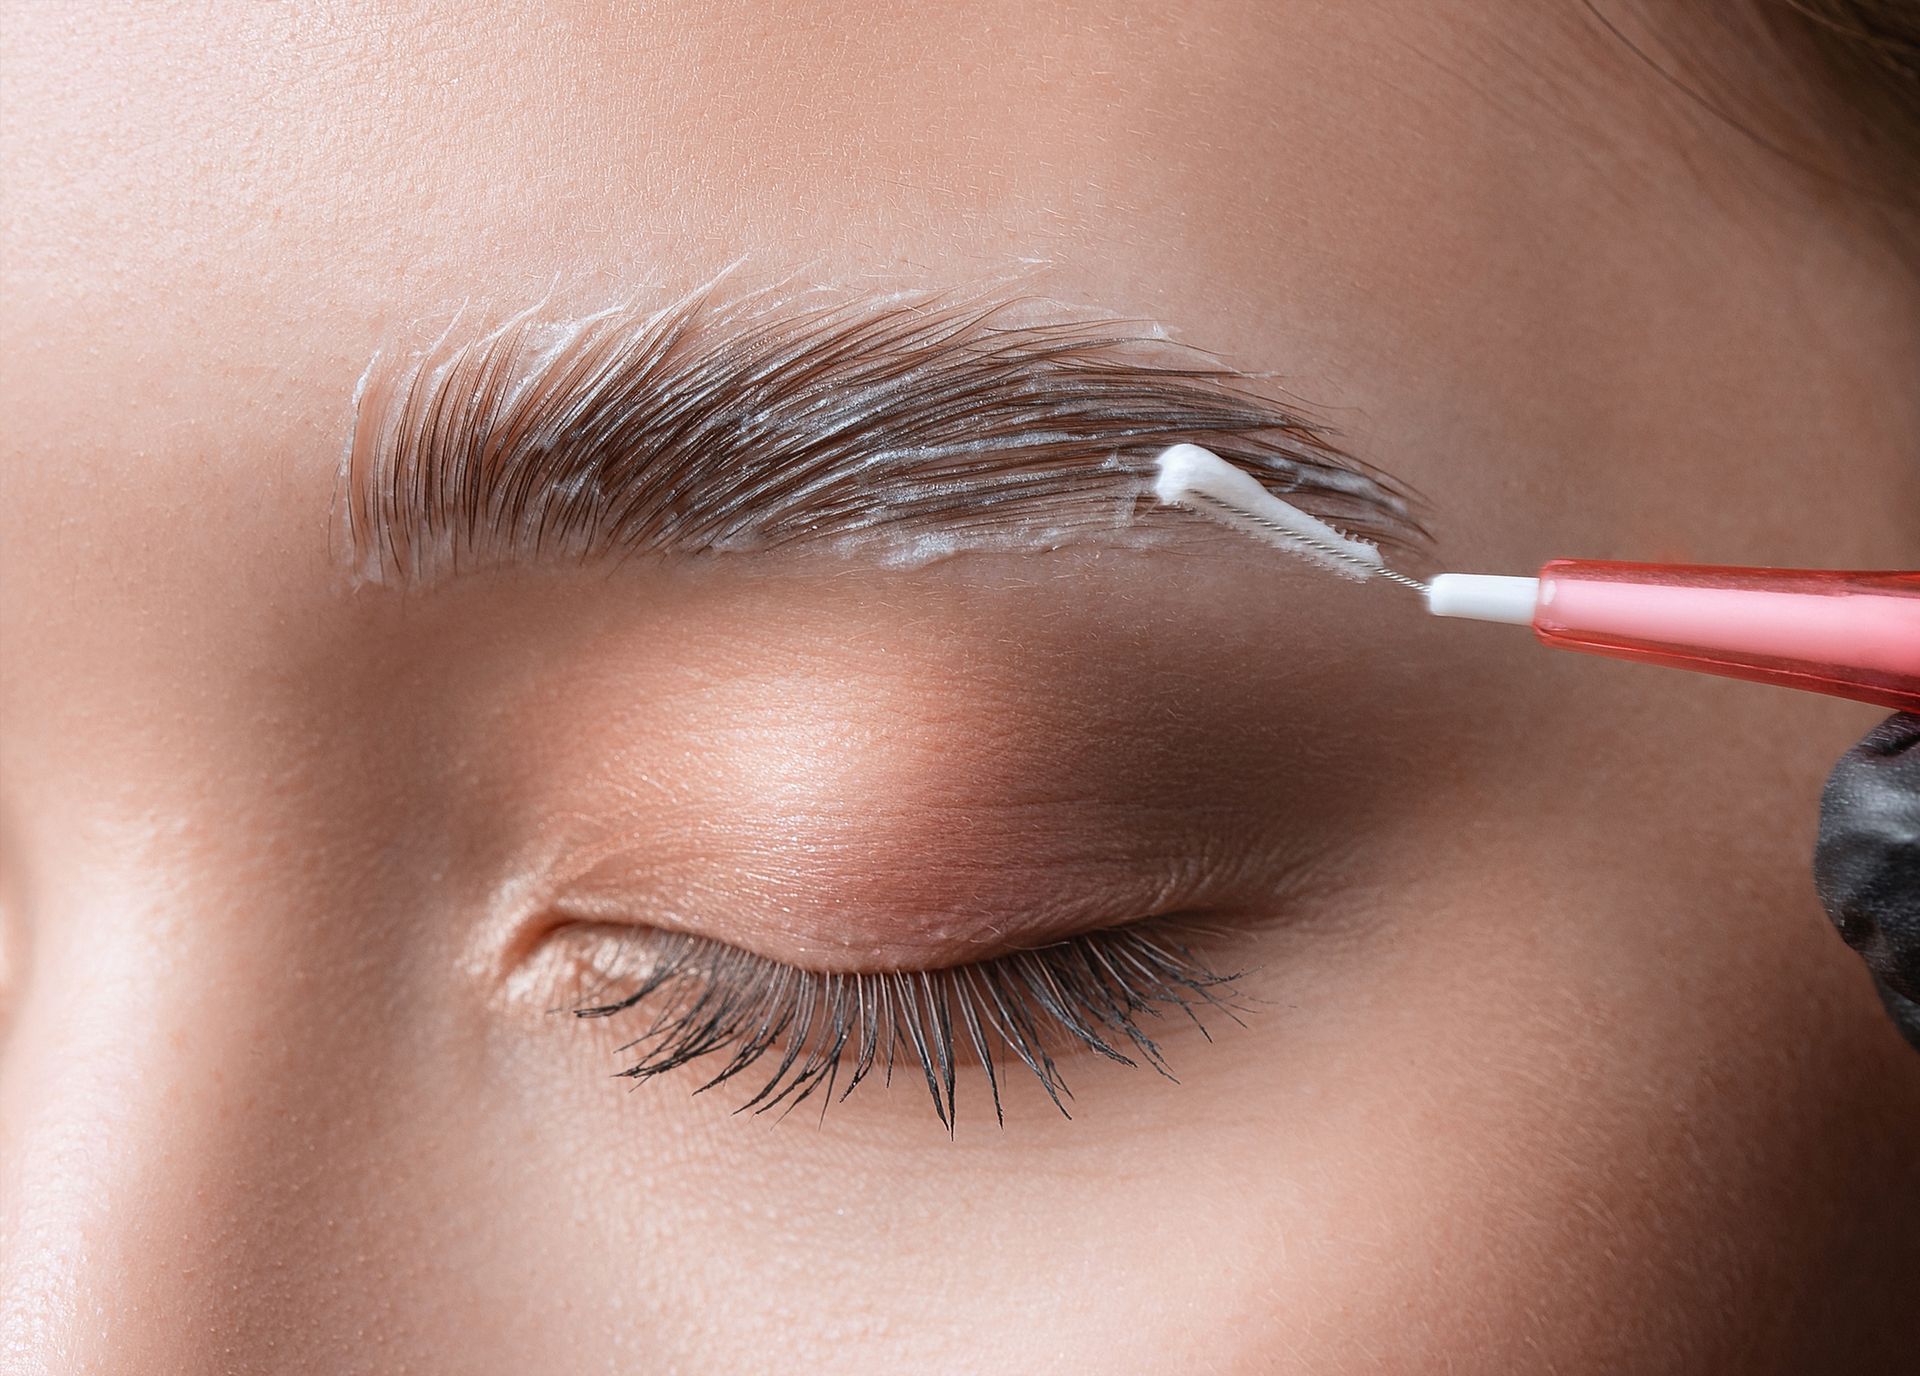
(902, 896)
(730, 1010)
(922, 798)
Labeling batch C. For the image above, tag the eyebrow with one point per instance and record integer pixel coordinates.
(900, 426)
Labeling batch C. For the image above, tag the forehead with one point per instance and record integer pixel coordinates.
(242, 179)
(234, 209)
(231, 209)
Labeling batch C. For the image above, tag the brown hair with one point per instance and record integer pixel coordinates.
(1869, 55)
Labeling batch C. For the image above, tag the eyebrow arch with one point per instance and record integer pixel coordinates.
(906, 425)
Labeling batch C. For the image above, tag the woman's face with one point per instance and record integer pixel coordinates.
(1544, 1055)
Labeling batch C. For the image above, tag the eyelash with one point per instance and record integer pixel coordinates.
(1088, 991)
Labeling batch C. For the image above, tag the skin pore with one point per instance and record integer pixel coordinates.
(1550, 1061)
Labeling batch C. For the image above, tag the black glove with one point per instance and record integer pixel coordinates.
(1867, 862)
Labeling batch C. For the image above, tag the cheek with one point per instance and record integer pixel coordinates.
(1294, 1195)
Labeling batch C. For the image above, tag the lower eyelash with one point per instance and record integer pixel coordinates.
(1089, 991)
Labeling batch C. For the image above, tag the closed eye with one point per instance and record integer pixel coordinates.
(786, 1034)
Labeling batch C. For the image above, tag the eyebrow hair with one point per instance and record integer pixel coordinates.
(904, 426)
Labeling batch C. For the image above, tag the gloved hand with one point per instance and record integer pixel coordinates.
(1867, 862)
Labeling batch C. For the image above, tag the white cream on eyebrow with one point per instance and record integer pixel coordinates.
(901, 429)
(1187, 475)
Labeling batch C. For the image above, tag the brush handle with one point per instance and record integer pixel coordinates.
(1849, 634)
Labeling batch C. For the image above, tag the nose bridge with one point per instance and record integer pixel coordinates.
(217, 987)
(92, 1069)
(110, 1088)
(152, 1108)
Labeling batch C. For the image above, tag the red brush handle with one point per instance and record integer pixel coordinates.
(1854, 635)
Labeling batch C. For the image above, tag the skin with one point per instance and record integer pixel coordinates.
(1555, 1065)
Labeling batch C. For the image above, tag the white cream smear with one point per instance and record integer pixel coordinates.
(900, 428)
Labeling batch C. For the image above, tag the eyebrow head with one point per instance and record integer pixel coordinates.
(901, 426)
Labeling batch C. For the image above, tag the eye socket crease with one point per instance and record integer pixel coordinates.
(910, 425)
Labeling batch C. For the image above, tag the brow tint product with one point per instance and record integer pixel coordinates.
(1849, 634)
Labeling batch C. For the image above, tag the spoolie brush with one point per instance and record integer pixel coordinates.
(1849, 634)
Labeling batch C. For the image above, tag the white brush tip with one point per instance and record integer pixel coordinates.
(1181, 469)
(1202, 481)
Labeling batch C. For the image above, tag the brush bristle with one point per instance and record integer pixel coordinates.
(1203, 482)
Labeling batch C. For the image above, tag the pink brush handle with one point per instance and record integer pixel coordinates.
(1854, 635)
